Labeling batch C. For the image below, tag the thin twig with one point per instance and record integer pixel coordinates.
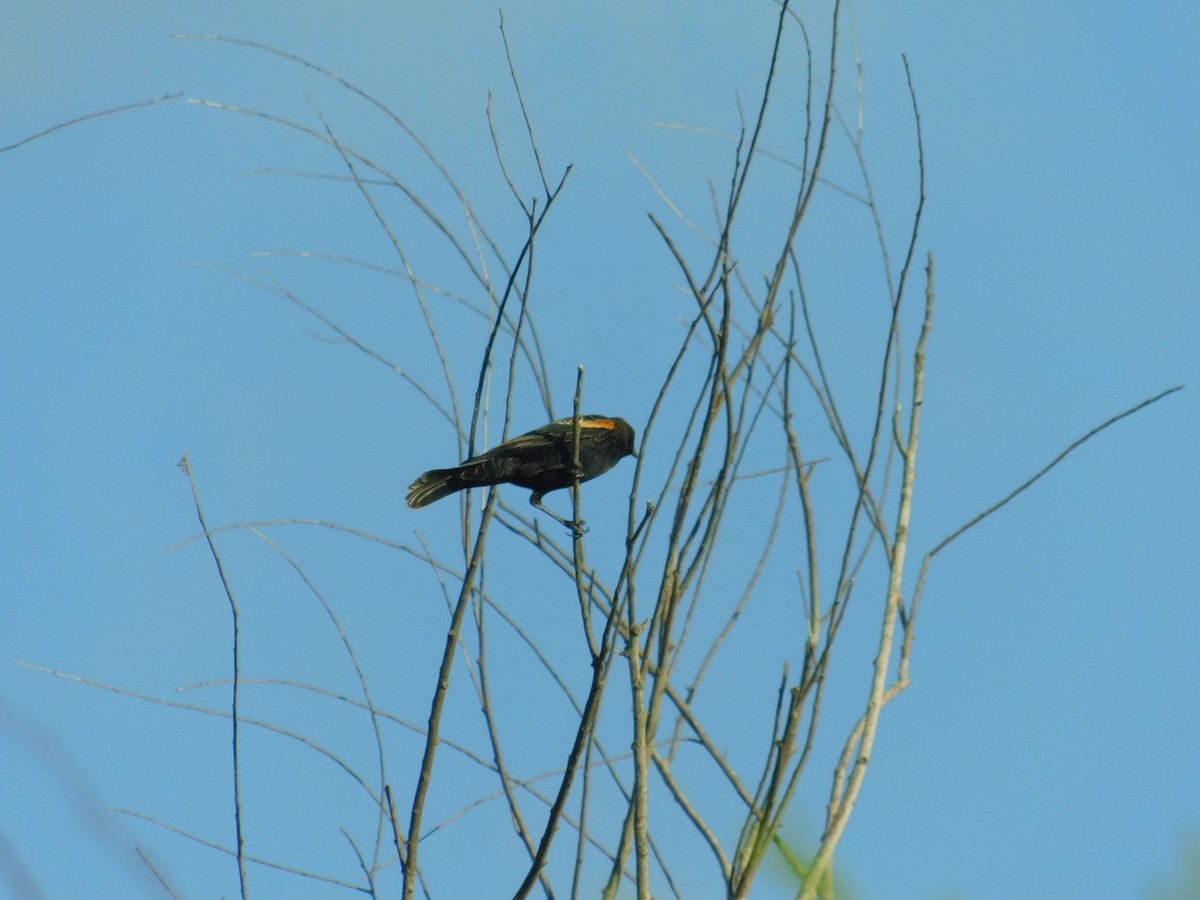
(186, 466)
(512, 71)
(213, 845)
(1037, 476)
(368, 702)
(94, 115)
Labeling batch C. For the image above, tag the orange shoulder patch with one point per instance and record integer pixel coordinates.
(595, 422)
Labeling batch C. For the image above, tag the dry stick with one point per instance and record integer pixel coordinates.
(506, 781)
(367, 161)
(668, 594)
(266, 726)
(482, 685)
(910, 255)
(633, 630)
(607, 760)
(769, 545)
(298, 685)
(577, 546)
(387, 230)
(640, 806)
(897, 296)
(512, 71)
(688, 716)
(581, 843)
(533, 353)
(390, 802)
(756, 826)
(527, 785)
(404, 126)
(1074, 445)
(410, 864)
(714, 503)
(520, 633)
(591, 706)
(840, 813)
(680, 704)
(530, 213)
(825, 396)
(755, 821)
(368, 871)
(362, 681)
(660, 399)
(219, 713)
(603, 603)
(519, 821)
(522, 317)
(732, 619)
(1012, 495)
(718, 395)
(601, 659)
(186, 466)
(798, 697)
(263, 523)
(813, 609)
(865, 499)
(279, 290)
(142, 855)
(95, 115)
(668, 380)
(583, 733)
(713, 397)
(737, 446)
(739, 178)
(476, 556)
(804, 195)
(536, 224)
(512, 187)
(763, 826)
(212, 845)
(538, 366)
(814, 667)
(737, 433)
(354, 89)
(896, 293)
(662, 194)
(812, 678)
(664, 770)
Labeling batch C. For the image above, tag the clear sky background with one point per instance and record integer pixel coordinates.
(1047, 746)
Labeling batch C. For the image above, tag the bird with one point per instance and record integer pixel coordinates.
(541, 460)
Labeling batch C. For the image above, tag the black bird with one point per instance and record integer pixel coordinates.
(542, 460)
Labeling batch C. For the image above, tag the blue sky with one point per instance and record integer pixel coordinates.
(1046, 745)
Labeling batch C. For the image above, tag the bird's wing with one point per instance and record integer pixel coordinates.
(557, 435)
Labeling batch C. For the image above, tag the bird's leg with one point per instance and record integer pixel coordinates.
(577, 529)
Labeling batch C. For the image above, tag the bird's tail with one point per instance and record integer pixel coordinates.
(434, 485)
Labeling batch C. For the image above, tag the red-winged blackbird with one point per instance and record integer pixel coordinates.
(542, 460)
